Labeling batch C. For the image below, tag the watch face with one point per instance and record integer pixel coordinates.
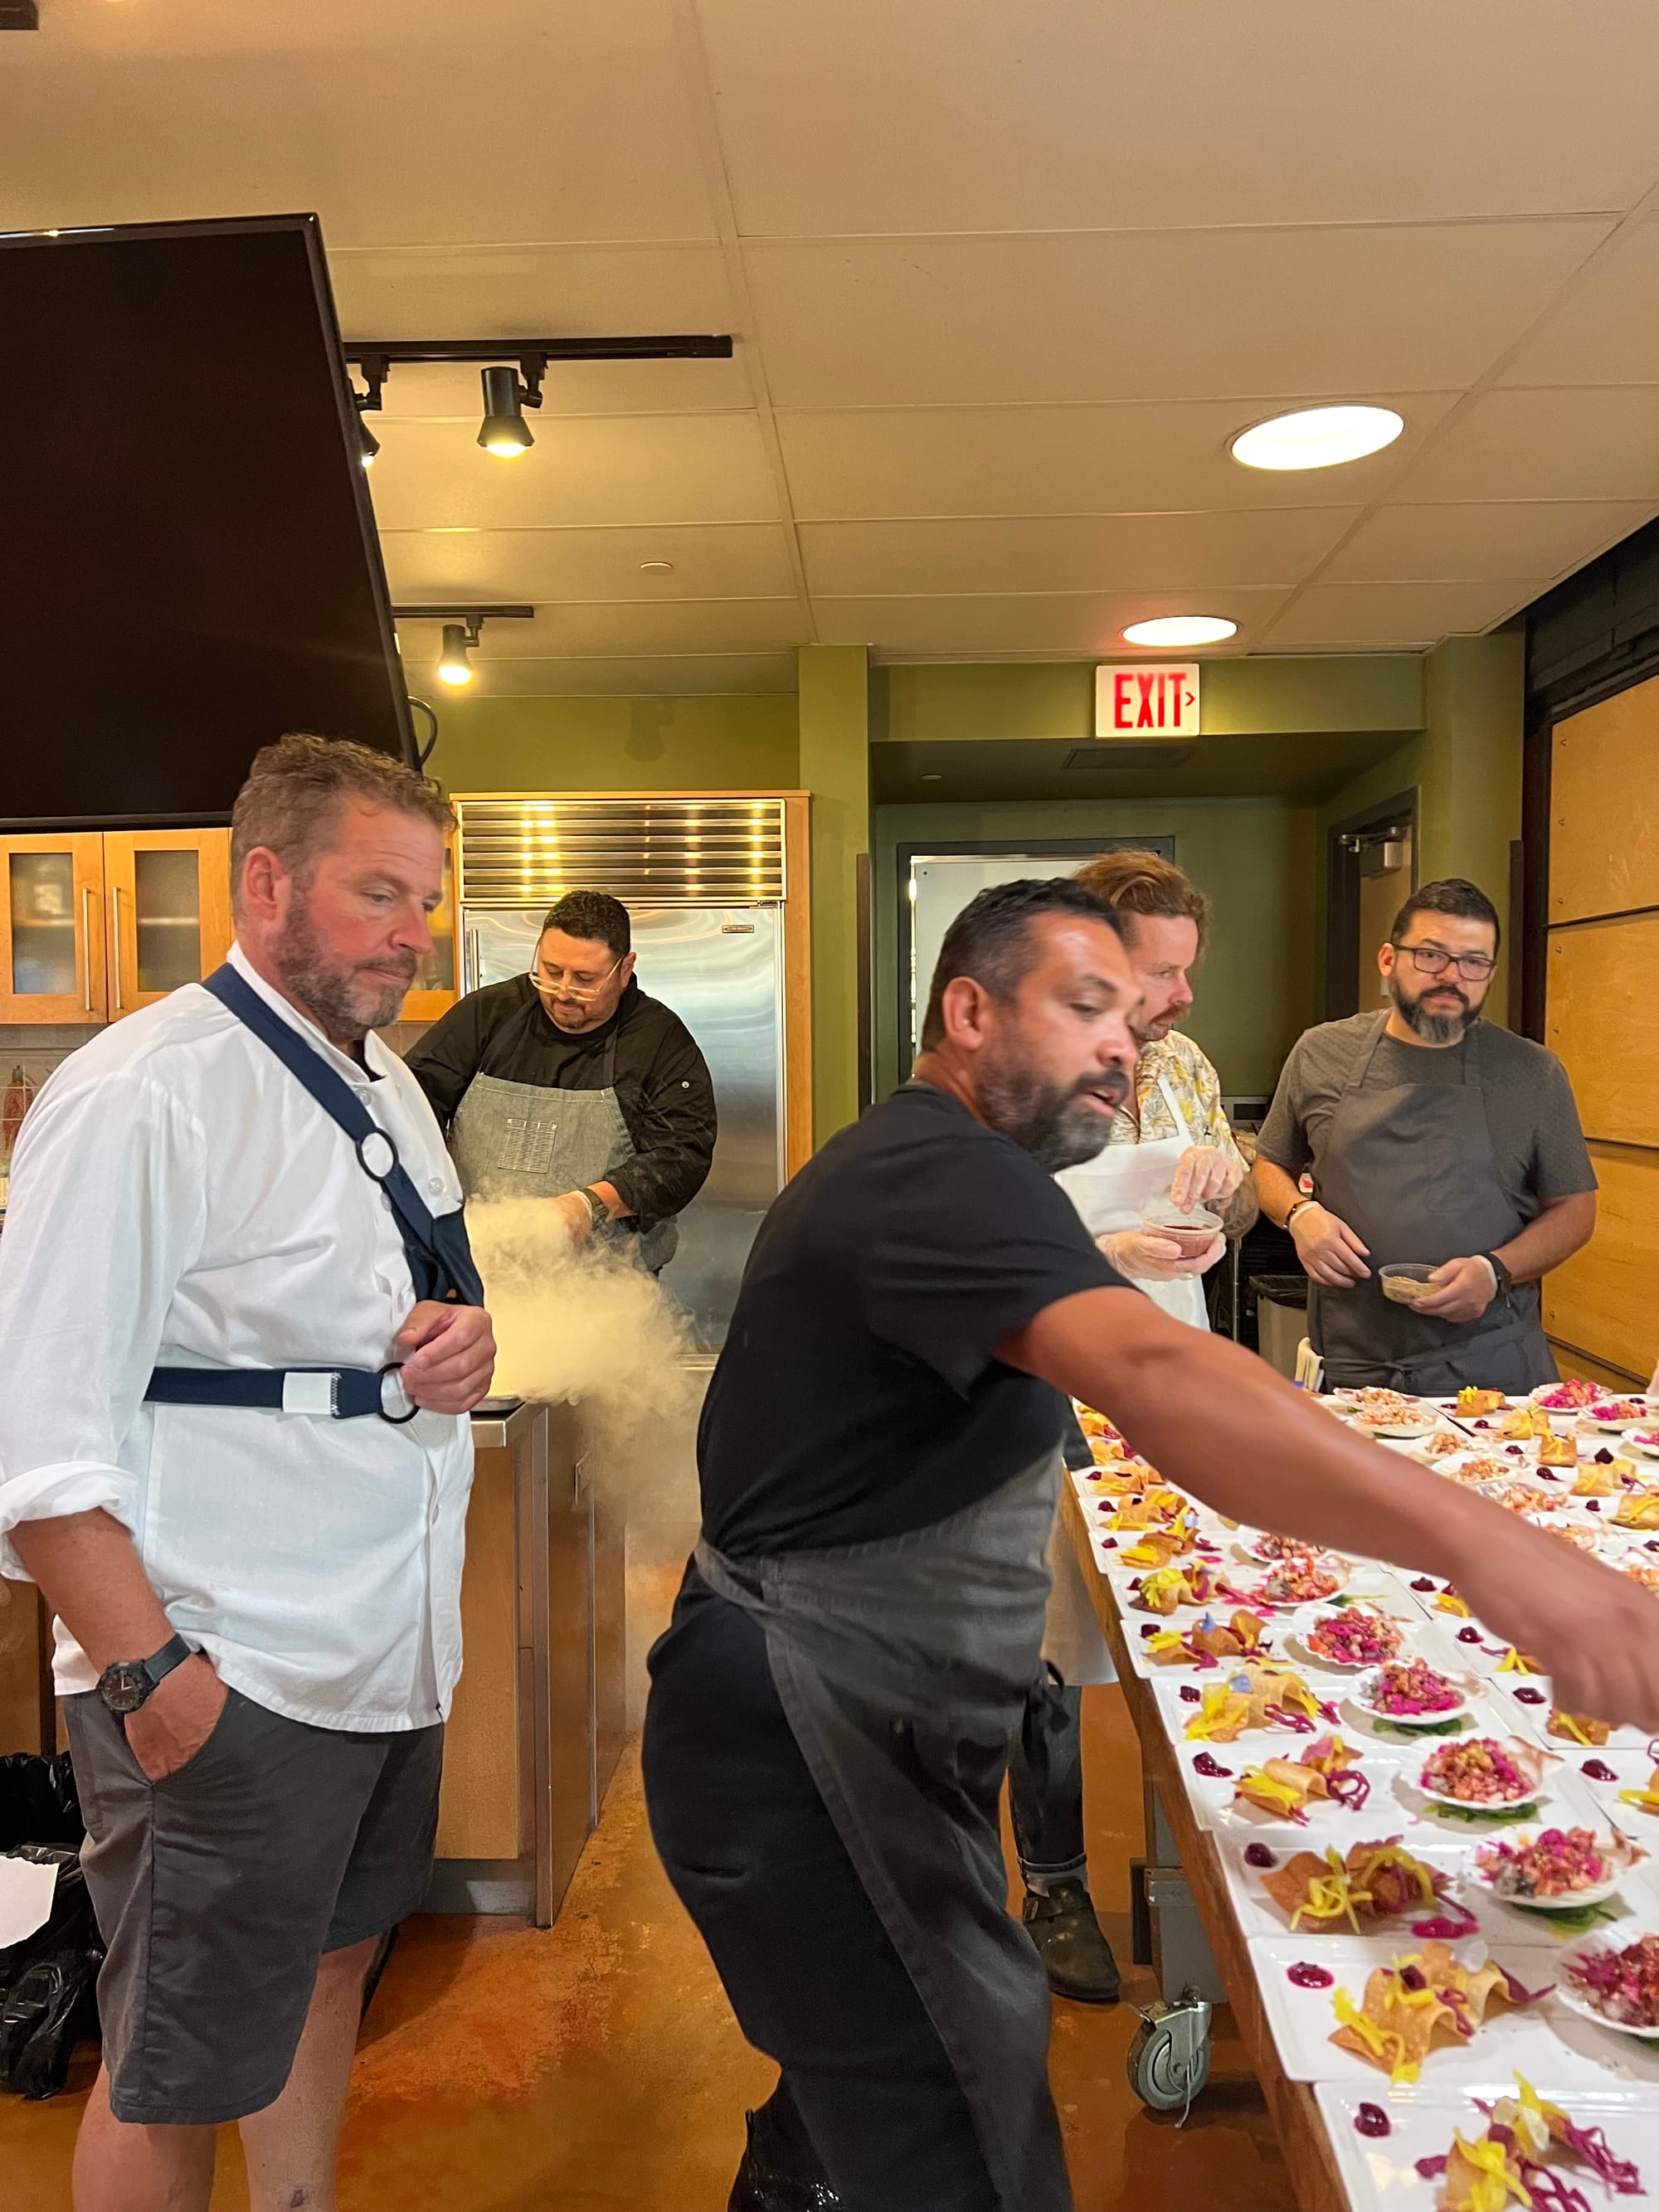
(123, 1687)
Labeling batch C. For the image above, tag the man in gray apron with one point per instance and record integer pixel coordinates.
(832, 1706)
(569, 1084)
(1432, 1137)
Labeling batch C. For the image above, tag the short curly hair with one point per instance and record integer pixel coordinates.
(296, 789)
(596, 918)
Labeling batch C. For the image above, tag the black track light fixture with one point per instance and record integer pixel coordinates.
(367, 444)
(504, 431)
(459, 638)
(462, 629)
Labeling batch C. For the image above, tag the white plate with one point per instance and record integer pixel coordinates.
(1528, 2040)
(1576, 2000)
(1401, 1432)
(1301, 1653)
(1633, 1770)
(1383, 2174)
(1579, 1899)
(1258, 1915)
(1185, 1669)
(1327, 1820)
(1532, 1720)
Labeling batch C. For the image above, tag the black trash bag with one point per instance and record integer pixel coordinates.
(37, 1802)
(69, 1926)
(47, 2010)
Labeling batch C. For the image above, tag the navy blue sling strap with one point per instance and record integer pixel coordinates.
(435, 1246)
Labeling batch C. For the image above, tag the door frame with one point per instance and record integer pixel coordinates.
(1342, 895)
(985, 848)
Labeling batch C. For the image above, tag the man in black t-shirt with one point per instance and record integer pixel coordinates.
(832, 1706)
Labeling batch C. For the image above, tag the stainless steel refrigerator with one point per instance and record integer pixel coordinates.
(720, 969)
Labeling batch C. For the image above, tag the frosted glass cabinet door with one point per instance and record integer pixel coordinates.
(52, 935)
(168, 911)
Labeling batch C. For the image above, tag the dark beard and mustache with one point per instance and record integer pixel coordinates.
(1433, 1029)
(335, 991)
(1045, 1120)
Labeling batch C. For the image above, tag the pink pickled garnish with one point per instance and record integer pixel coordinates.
(1617, 2174)
(1447, 1930)
(1432, 2168)
(1349, 1787)
(1189, 1696)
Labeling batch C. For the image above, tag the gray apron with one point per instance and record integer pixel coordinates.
(1413, 1170)
(530, 1140)
(903, 1668)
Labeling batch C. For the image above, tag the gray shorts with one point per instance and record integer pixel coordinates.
(219, 1887)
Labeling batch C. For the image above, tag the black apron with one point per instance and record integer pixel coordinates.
(902, 1666)
(532, 1141)
(439, 1258)
(1413, 1170)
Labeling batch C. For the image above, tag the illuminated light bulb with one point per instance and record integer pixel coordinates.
(1181, 630)
(453, 666)
(1317, 437)
(504, 432)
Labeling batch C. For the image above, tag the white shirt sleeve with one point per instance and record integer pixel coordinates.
(106, 1209)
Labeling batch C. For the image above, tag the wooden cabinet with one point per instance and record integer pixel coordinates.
(437, 980)
(96, 924)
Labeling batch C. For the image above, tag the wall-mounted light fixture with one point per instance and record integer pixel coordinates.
(512, 371)
(462, 629)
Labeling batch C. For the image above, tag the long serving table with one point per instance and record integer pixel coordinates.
(1302, 2136)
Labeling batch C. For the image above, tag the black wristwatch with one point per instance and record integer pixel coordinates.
(1501, 1275)
(125, 1686)
(597, 1206)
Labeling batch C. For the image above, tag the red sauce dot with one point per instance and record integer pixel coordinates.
(1372, 2120)
(1307, 1976)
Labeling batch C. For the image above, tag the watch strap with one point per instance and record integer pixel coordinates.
(596, 1206)
(1502, 1278)
(1297, 1208)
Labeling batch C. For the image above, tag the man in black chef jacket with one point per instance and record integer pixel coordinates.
(569, 1084)
(1432, 1137)
(831, 1708)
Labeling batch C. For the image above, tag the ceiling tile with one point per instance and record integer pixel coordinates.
(968, 629)
(1070, 553)
(1606, 331)
(452, 393)
(667, 676)
(535, 291)
(1194, 315)
(624, 628)
(746, 559)
(626, 468)
(913, 462)
(933, 116)
(404, 126)
(1494, 540)
(1367, 617)
(1544, 445)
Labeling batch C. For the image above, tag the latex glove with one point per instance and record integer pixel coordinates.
(1463, 1291)
(1146, 1257)
(449, 1356)
(1328, 1249)
(577, 1216)
(176, 1718)
(1204, 1173)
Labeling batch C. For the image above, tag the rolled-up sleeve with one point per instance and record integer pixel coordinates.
(107, 1209)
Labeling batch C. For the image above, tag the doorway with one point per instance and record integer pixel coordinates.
(934, 887)
(1370, 873)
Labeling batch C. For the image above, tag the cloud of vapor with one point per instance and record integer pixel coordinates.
(584, 1324)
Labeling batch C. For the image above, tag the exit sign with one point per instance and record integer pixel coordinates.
(1139, 698)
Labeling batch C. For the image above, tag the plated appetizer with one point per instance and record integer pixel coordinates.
(1283, 1786)
(1476, 1405)
(1558, 1869)
(1524, 1424)
(1617, 1986)
(1526, 1498)
(1408, 1690)
(1481, 1775)
(1516, 2159)
(1637, 1510)
(1576, 1727)
(1210, 1645)
(1442, 1444)
(1419, 2001)
(1374, 1882)
(1568, 1397)
(1166, 1588)
(1356, 1637)
(1305, 1578)
(1558, 1451)
(1468, 1473)
(1615, 1413)
(1261, 1695)
(1641, 1569)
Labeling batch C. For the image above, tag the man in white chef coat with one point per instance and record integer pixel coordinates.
(251, 1535)
(1170, 1139)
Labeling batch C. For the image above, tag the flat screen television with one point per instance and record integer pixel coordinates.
(188, 560)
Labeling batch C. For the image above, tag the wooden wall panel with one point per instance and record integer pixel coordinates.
(1603, 1019)
(1603, 1302)
(1604, 807)
(478, 1807)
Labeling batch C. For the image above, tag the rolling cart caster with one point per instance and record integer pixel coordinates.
(1169, 2059)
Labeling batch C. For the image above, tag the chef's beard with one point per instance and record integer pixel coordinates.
(1051, 1124)
(1433, 1029)
(347, 999)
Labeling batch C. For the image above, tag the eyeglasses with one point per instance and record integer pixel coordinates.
(554, 983)
(1432, 959)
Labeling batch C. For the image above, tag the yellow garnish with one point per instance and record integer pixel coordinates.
(1565, 1724)
(1497, 2179)
(1446, 1602)
(1516, 1663)
(1332, 1896)
(1646, 1801)
(1376, 2041)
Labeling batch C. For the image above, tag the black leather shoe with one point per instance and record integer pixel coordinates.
(763, 2185)
(1076, 1956)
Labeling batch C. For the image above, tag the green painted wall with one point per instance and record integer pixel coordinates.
(1257, 859)
(989, 699)
(1466, 769)
(834, 767)
(728, 744)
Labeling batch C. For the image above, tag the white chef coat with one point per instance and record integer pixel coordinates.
(179, 1198)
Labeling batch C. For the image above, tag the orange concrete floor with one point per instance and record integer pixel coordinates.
(596, 2068)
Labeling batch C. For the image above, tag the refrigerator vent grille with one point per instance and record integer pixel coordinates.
(657, 852)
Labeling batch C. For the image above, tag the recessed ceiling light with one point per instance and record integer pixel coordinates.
(1317, 437)
(1181, 630)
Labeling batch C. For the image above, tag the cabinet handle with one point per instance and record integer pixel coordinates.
(86, 943)
(469, 979)
(115, 944)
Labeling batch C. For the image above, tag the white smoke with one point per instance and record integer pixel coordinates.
(585, 1325)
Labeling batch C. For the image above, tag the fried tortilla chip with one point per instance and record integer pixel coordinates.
(1376, 1881)
(1422, 1996)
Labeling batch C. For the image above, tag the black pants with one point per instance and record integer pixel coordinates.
(1045, 1785)
(812, 1974)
